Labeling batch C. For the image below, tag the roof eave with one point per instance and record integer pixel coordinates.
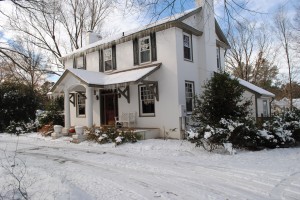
(221, 35)
(169, 24)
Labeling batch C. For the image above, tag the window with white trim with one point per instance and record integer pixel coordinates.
(187, 47)
(189, 96)
(79, 63)
(80, 107)
(146, 101)
(107, 59)
(145, 49)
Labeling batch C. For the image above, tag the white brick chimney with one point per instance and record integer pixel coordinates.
(208, 38)
(92, 37)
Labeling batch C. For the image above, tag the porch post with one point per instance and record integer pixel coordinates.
(67, 110)
(89, 106)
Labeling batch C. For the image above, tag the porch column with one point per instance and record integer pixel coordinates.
(89, 106)
(67, 110)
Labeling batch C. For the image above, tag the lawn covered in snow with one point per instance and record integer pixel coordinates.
(149, 169)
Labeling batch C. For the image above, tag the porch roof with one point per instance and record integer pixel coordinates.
(100, 79)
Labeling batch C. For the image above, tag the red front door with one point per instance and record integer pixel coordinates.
(109, 107)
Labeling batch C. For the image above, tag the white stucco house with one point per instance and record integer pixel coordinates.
(153, 72)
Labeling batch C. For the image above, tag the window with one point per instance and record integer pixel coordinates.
(80, 63)
(145, 49)
(218, 58)
(146, 102)
(107, 58)
(265, 108)
(189, 96)
(80, 104)
(187, 47)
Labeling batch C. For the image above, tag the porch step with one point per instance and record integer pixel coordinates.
(148, 133)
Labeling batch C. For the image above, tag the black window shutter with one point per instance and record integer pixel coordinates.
(153, 47)
(114, 59)
(74, 62)
(135, 51)
(191, 47)
(101, 60)
(84, 61)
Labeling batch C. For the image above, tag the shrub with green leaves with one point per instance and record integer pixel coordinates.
(54, 113)
(113, 135)
(18, 104)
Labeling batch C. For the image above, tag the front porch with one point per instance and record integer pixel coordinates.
(92, 98)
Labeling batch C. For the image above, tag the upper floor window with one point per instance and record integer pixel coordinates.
(147, 101)
(107, 58)
(218, 58)
(187, 47)
(80, 62)
(189, 96)
(145, 49)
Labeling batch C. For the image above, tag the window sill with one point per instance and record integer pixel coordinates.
(188, 60)
(147, 115)
(145, 63)
(80, 116)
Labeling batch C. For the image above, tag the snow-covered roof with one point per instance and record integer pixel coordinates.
(255, 88)
(99, 78)
(130, 32)
(103, 79)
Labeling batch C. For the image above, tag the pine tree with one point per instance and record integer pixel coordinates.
(222, 98)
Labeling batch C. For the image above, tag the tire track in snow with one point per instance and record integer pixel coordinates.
(286, 189)
(211, 180)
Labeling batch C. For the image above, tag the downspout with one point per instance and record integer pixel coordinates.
(271, 106)
(256, 110)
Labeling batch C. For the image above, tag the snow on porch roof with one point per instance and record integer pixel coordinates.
(255, 88)
(95, 79)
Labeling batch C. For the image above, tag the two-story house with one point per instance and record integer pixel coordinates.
(154, 71)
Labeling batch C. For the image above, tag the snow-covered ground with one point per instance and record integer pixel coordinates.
(150, 169)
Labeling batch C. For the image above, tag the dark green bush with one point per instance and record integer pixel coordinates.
(18, 104)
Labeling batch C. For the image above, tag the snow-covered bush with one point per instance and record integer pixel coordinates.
(113, 135)
(282, 131)
(20, 128)
(218, 112)
(284, 128)
(226, 131)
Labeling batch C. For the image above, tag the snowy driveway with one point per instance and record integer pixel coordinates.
(151, 169)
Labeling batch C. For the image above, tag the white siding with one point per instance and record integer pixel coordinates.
(92, 61)
(166, 109)
(124, 53)
(69, 63)
(250, 96)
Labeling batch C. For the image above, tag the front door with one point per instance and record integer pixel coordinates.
(108, 106)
